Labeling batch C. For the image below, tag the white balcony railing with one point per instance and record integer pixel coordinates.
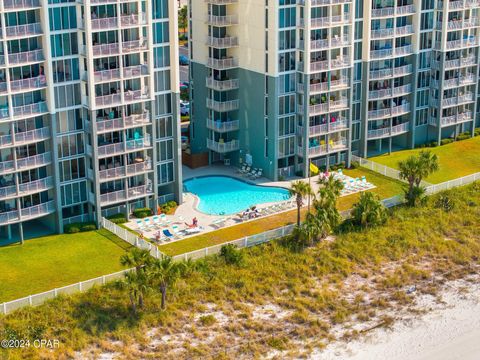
(226, 20)
(222, 85)
(135, 71)
(221, 64)
(34, 161)
(32, 135)
(133, 19)
(223, 126)
(135, 95)
(35, 186)
(223, 147)
(106, 49)
(21, 4)
(224, 42)
(113, 197)
(386, 11)
(107, 100)
(104, 23)
(387, 131)
(223, 106)
(31, 109)
(27, 84)
(107, 75)
(134, 45)
(123, 122)
(26, 57)
(139, 191)
(37, 210)
(23, 30)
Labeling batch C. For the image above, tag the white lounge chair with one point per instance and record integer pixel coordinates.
(156, 222)
(241, 169)
(148, 223)
(176, 231)
(220, 222)
(247, 170)
(164, 220)
(140, 225)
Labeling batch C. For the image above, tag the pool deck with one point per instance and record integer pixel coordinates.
(188, 209)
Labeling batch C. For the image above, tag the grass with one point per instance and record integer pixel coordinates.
(54, 261)
(385, 188)
(457, 159)
(358, 277)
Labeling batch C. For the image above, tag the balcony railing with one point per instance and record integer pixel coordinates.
(455, 63)
(139, 144)
(225, 42)
(104, 23)
(318, 109)
(121, 147)
(122, 171)
(226, 20)
(106, 49)
(24, 30)
(338, 125)
(458, 100)
(386, 11)
(387, 131)
(139, 168)
(139, 191)
(340, 83)
(333, 146)
(35, 186)
(107, 75)
(26, 57)
(30, 110)
(453, 119)
(458, 44)
(107, 100)
(223, 106)
(222, 85)
(382, 33)
(379, 94)
(221, 2)
(133, 19)
(404, 30)
(34, 161)
(318, 87)
(32, 135)
(124, 122)
(223, 126)
(27, 84)
(404, 89)
(8, 192)
(113, 197)
(405, 10)
(134, 45)
(223, 147)
(135, 95)
(21, 4)
(319, 65)
(135, 71)
(222, 64)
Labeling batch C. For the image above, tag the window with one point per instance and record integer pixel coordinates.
(286, 146)
(74, 193)
(64, 44)
(286, 126)
(160, 33)
(62, 18)
(287, 17)
(161, 56)
(165, 173)
(70, 120)
(65, 70)
(163, 104)
(165, 150)
(72, 169)
(162, 80)
(422, 117)
(160, 9)
(67, 95)
(286, 104)
(70, 145)
(164, 127)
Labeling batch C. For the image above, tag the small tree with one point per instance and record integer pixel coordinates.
(300, 190)
(368, 211)
(326, 204)
(308, 232)
(136, 285)
(414, 169)
(182, 18)
(164, 273)
(231, 255)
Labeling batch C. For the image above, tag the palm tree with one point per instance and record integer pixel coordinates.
(414, 169)
(300, 189)
(136, 258)
(331, 185)
(308, 231)
(136, 285)
(326, 204)
(368, 211)
(165, 272)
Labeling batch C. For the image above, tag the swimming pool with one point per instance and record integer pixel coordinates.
(222, 195)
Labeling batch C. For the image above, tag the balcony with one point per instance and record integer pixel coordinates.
(8, 192)
(35, 161)
(222, 43)
(22, 138)
(468, 79)
(134, 120)
(106, 75)
(20, 4)
(23, 30)
(404, 30)
(123, 171)
(122, 147)
(227, 20)
(134, 46)
(318, 65)
(458, 44)
(401, 109)
(135, 71)
(28, 84)
(133, 19)
(28, 213)
(139, 191)
(222, 85)
(332, 147)
(339, 84)
(113, 197)
(316, 88)
(222, 64)
(405, 10)
(223, 147)
(402, 90)
(26, 57)
(379, 94)
(382, 33)
(453, 119)
(223, 106)
(221, 2)
(7, 167)
(329, 21)
(340, 62)
(387, 131)
(104, 23)
(30, 110)
(36, 186)
(394, 111)
(456, 63)
(318, 109)
(108, 100)
(136, 95)
(339, 125)
(223, 126)
(383, 12)
(106, 49)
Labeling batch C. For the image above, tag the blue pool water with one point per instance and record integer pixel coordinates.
(221, 195)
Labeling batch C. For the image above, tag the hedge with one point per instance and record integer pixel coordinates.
(79, 227)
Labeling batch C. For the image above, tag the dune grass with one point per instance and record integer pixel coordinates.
(360, 277)
(54, 261)
(457, 159)
(385, 188)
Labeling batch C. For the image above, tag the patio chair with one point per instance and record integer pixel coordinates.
(258, 174)
(168, 234)
(249, 174)
(140, 225)
(242, 168)
(156, 222)
(164, 219)
(247, 170)
(176, 231)
(148, 223)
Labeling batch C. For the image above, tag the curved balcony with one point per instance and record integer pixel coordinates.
(108, 100)
(223, 126)
(222, 85)
(383, 12)
(223, 106)
(453, 119)
(340, 124)
(405, 10)
(26, 57)
(223, 147)
(379, 94)
(28, 213)
(329, 148)
(456, 63)
(402, 90)
(382, 33)
(23, 30)
(35, 161)
(136, 95)
(28, 84)
(122, 147)
(30, 110)
(36, 186)
(21, 4)
(459, 44)
(227, 20)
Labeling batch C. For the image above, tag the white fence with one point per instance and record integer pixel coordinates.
(381, 169)
(38, 299)
(247, 241)
(131, 238)
(435, 188)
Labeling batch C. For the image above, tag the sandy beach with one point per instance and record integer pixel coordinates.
(449, 330)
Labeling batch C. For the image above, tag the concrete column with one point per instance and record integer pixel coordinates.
(20, 231)
(9, 232)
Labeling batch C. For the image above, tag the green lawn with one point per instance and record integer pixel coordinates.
(54, 261)
(385, 188)
(457, 159)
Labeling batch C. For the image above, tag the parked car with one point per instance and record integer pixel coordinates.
(183, 60)
(184, 108)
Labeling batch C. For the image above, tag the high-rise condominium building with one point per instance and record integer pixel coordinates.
(282, 83)
(88, 111)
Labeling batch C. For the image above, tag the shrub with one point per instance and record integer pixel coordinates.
(463, 136)
(88, 227)
(446, 141)
(168, 207)
(476, 132)
(354, 165)
(445, 203)
(208, 320)
(141, 213)
(118, 218)
(433, 144)
(231, 255)
(71, 229)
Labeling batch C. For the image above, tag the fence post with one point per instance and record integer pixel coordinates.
(156, 252)
(245, 241)
(103, 279)
(30, 300)
(55, 292)
(206, 251)
(80, 286)
(5, 308)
